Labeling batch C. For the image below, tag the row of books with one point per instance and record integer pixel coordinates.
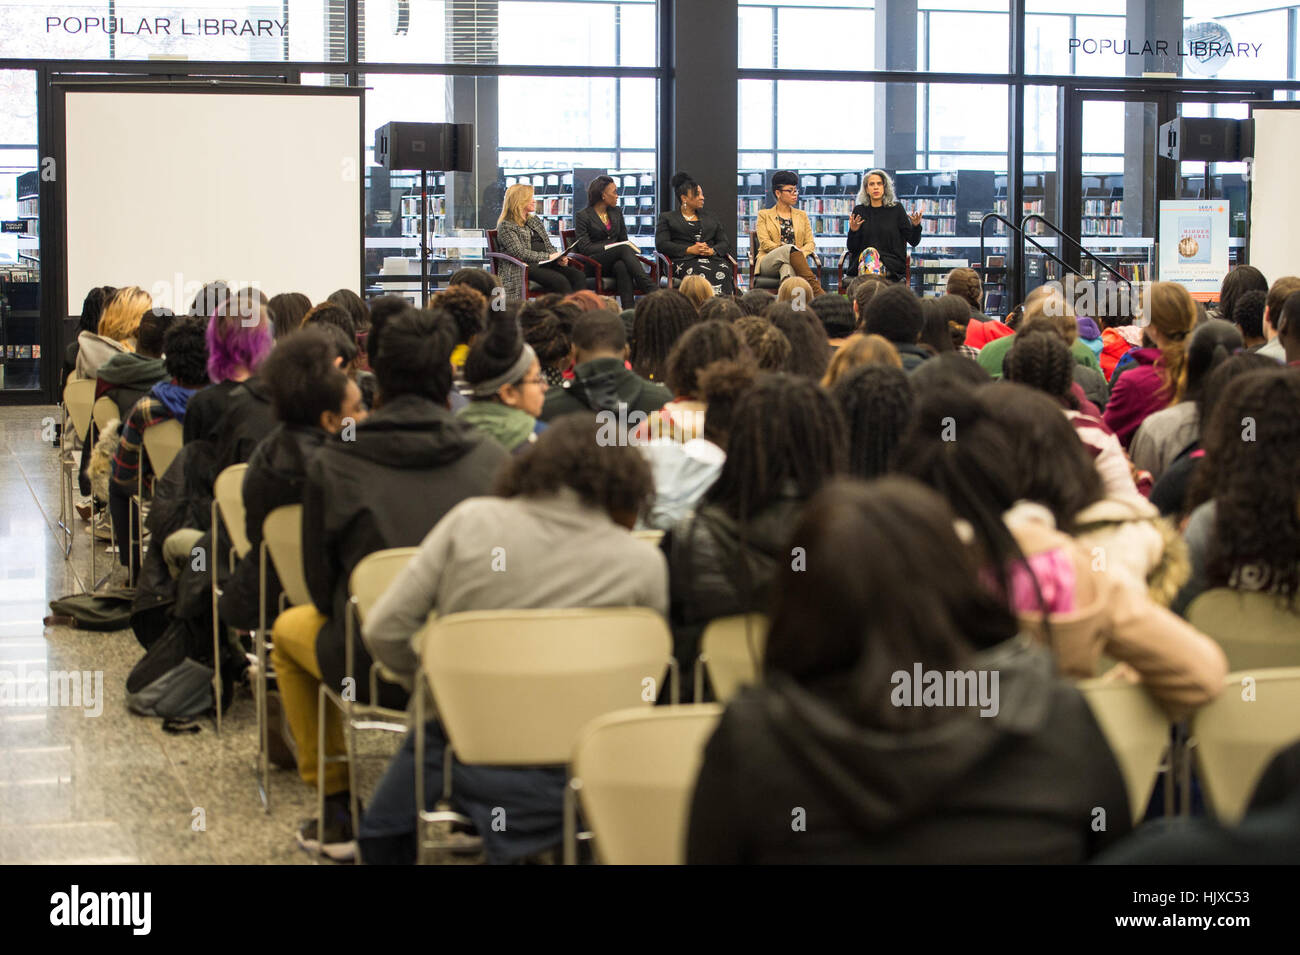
(411, 205)
(22, 351)
(1103, 207)
(1096, 226)
(27, 208)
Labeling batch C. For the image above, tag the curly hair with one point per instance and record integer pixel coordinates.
(721, 385)
(859, 350)
(787, 437)
(835, 312)
(877, 405)
(1248, 313)
(810, 350)
(547, 330)
(467, 308)
(1042, 361)
(414, 354)
(586, 300)
(965, 284)
(661, 318)
(756, 301)
(568, 454)
(701, 345)
(186, 348)
(887, 199)
(1253, 456)
(767, 343)
(721, 307)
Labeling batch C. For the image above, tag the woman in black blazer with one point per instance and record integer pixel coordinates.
(600, 226)
(694, 239)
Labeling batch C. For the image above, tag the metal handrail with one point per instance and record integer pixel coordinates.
(1057, 229)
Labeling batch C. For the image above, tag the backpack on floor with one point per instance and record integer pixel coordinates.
(174, 677)
(106, 610)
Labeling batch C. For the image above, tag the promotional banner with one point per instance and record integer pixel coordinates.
(1194, 244)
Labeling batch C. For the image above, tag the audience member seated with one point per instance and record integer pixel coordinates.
(721, 307)
(835, 312)
(601, 379)
(480, 280)
(1240, 281)
(694, 240)
(837, 732)
(895, 315)
(562, 512)
(1080, 607)
(755, 301)
(785, 237)
(407, 465)
(239, 339)
(287, 312)
(1156, 381)
(547, 330)
(1047, 306)
(796, 291)
(660, 319)
(1277, 295)
(766, 342)
(810, 351)
(683, 471)
(1246, 534)
(697, 289)
(602, 235)
(683, 418)
(876, 400)
(1288, 329)
(523, 236)
(468, 310)
(116, 333)
(859, 350)
(966, 285)
(787, 439)
(312, 398)
(504, 382)
(860, 292)
(92, 308)
(1165, 435)
(186, 349)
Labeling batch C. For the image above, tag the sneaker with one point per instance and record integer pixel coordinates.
(340, 843)
(103, 527)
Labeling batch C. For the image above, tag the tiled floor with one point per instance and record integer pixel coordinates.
(77, 788)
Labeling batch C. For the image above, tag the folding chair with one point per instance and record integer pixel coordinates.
(1254, 629)
(78, 402)
(1137, 730)
(1236, 734)
(227, 508)
(634, 773)
(515, 688)
(649, 536)
(370, 578)
(282, 542)
(161, 444)
(731, 648)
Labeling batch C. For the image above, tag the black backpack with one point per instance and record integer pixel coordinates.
(174, 677)
(104, 611)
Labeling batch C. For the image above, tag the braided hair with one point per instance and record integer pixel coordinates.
(660, 319)
(1042, 361)
(877, 405)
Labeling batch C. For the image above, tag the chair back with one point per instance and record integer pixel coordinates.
(1240, 730)
(282, 531)
(1137, 731)
(492, 241)
(374, 573)
(1254, 629)
(79, 399)
(637, 770)
(105, 412)
(731, 649)
(515, 687)
(162, 442)
(649, 536)
(228, 492)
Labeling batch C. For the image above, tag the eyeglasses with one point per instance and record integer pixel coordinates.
(794, 189)
(534, 381)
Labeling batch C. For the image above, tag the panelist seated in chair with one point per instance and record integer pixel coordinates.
(565, 527)
(522, 235)
(693, 238)
(601, 233)
(880, 229)
(785, 236)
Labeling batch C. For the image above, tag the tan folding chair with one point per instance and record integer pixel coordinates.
(78, 402)
(162, 442)
(649, 536)
(369, 579)
(1236, 734)
(516, 687)
(228, 509)
(1138, 732)
(105, 412)
(634, 773)
(1254, 629)
(731, 648)
(282, 544)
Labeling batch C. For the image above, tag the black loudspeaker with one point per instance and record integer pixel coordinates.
(442, 147)
(1194, 139)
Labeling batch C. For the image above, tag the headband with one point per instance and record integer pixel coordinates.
(489, 386)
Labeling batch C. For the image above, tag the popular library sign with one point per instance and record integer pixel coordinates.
(1205, 47)
(167, 26)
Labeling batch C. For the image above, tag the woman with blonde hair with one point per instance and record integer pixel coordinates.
(1157, 380)
(697, 289)
(116, 332)
(798, 292)
(859, 350)
(523, 236)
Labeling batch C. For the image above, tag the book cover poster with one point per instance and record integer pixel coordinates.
(1194, 244)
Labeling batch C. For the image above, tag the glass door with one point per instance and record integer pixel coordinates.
(20, 263)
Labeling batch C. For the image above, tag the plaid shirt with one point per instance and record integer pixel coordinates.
(972, 353)
(146, 413)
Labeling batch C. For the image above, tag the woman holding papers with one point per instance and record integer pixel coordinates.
(693, 239)
(602, 236)
(521, 235)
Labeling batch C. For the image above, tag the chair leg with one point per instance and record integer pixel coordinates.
(571, 821)
(216, 619)
(263, 739)
(320, 771)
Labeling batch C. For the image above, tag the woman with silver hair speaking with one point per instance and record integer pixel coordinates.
(880, 229)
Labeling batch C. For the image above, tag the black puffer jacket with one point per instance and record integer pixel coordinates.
(409, 464)
(717, 568)
(1021, 786)
(276, 472)
(603, 384)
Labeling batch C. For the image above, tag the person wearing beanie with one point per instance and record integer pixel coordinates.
(504, 383)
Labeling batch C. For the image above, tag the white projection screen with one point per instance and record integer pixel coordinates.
(1275, 192)
(169, 190)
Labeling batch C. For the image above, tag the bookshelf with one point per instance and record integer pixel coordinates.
(28, 192)
(1039, 196)
(1103, 205)
(436, 223)
(562, 193)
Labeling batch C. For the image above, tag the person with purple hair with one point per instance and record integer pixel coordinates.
(240, 335)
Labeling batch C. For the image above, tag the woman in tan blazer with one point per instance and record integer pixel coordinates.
(785, 236)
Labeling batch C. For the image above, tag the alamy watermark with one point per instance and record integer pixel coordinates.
(961, 688)
(21, 687)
